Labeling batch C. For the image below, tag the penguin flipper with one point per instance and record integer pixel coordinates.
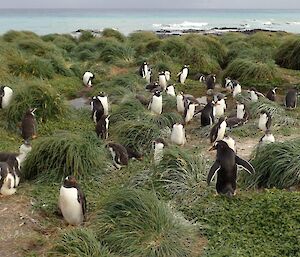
(246, 165)
(268, 125)
(212, 172)
(82, 200)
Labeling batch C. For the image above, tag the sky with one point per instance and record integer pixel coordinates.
(155, 4)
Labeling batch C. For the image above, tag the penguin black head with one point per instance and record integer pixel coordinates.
(157, 93)
(70, 181)
(264, 112)
(102, 94)
(219, 146)
(161, 73)
(145, 63)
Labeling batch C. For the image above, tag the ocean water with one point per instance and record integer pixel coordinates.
(46, 21)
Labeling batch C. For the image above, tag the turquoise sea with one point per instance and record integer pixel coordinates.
(45, 21)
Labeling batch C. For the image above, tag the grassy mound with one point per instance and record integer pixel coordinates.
(112, 33)
(288, 54)
(55, 157)
(276, 165)
(38, 95)
(136, 223)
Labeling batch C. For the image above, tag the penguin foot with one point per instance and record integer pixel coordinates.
(34, 136)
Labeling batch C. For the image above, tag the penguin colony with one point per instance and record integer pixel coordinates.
(72, 201)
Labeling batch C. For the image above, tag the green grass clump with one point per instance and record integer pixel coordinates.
(288, 54)
(276, 165)
(80, 242)
(256, 224)
(38, 95)
(117, 53)
(112, 33)
(136, 223)
(249, 71)
(55, 157)
(67, 86)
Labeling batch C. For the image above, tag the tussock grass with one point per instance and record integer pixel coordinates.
(112, 33)
(38, 95)
(80, 242)
(276, 165)
(55, 157)
(288, 54)
(136, 223)
(118, 54)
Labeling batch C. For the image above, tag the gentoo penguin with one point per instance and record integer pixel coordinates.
(291, 98)
(158, 147)
(7, 180)
(220, 105)
(182, 75)
(102, 127)
(230, 142)
(267, 138)
(189, 112)
(228, 84)
(225, 167)
(144, 70)
(218, 130)
(149, 75)
(133, 154)
(72, 202)
(180, 102)
(168, 75)
(271, 95)
(6, 94)
(178, 134)
(210, 81)
(162, 81)
(97, 109)
(155, 105)
(119, 154)
(264, 122)
(104, 101)
(88, 78)
(208, 114)
(241, 111)
(171, 90)
(29, 125)
(237, 89)
(254, 94)
(200, 77)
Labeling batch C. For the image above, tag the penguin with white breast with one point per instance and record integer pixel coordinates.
(87, 79)
(119, 154)
(182, 75)
(144, 70)
(14, 169)
(228, 84)
(254, 94)
(155, 105)
(148, 76)
(102, 127)
(208, 114)
(265, 120)
(220, 105)
(171, 90)
(72, 202)
(7, 180)
(218, 130)
(180, 102)
(168, 75)
(291, 98)
(162, 81)
(225, 167)
(178, 134)
(29, 125)
(189, 112)
(104, 101)
(200, 77)
(237, 89)
(267, 137)
(241, 111)
(210, 81)
(158, 147)
(271, 95)
(97, 109)
(6, 95)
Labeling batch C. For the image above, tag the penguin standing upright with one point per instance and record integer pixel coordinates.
(210, 81)
(180, 102)
(148, 75)
(178, 134)
(104, 101)
(162, 81)
(241, 111)
(144, 70)
(265, 120)
(291, 98)
(189, 111)
(254, 94)
(218, 130)
(271, 95)
(168, 75)
(72, 202)
(220, 105)
(171, 90)
(155, 105)
(29, 125)
(97, 109)
(7, 180)
(182, 75)
(225, 167)
(208, 114)
(267, 137)
(119, 154)
(102, 127)
(6, 94)
(87, 79)
(228, 84)
(237, 89)
(158, 147)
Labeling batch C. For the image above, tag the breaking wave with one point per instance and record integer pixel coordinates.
(181, 26)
